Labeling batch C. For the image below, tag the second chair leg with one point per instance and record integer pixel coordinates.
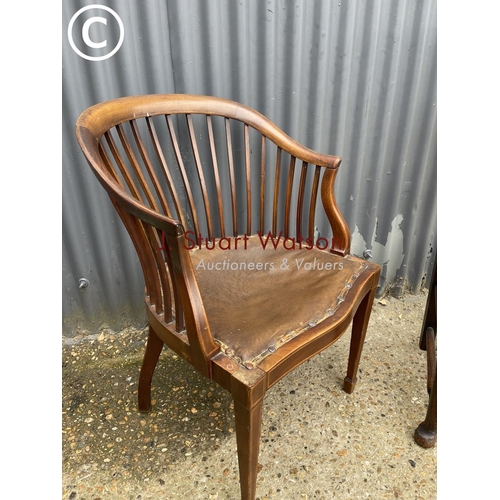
(151, 356)
(426, 433)
(359, 326)
(248, 427)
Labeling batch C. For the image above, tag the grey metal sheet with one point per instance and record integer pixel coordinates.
(352, 78)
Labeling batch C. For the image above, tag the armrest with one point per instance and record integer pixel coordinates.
(201, 340)
(341, 234)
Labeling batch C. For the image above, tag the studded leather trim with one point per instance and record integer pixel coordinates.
(253, 363)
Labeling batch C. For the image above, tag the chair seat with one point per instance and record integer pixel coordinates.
(258, 297)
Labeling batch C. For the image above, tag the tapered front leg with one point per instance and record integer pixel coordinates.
(248, 427)
(359, 326)
(151, 356)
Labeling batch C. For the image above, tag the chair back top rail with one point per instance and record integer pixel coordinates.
(114, 112)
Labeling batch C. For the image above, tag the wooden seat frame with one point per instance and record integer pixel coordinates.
(175, 305)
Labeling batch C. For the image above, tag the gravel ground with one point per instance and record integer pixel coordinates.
(317, 441)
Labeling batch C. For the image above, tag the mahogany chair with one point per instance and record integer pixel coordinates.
(222, 208)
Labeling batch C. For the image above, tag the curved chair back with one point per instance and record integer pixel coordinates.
(182, 170)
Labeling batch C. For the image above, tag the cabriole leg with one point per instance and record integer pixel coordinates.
(151, 356)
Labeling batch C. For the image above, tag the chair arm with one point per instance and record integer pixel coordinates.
(202, 345)
(201, 340)
(341, 235)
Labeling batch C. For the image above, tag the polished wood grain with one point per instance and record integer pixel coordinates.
(262, 182)
(229, 143)
(312, 206)
(291, 172)
(220, 208)
(182, 170)
(170, 179)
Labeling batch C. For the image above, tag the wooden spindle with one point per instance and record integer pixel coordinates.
(201, 177)
(166, 171)
(312, 206)
(262, 182)
(135, 166)
(149, 167)
(276, 190)
(134, 191)
(156, 246)
(144, 259)
(216, 175)
(231, 176)
(138, 235)
(288, 200)
(109, 166)
(248, 180)
(300, 199)
(184, 176)
(179, 313)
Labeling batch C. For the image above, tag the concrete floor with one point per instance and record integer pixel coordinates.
(317, 441)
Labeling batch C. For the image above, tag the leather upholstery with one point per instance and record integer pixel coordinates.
(257, 299)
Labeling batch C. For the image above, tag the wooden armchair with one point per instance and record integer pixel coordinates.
(221, 207)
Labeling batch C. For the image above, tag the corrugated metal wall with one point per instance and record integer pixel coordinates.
(354, 78)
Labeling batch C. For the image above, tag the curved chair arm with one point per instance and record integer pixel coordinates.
(89, 143)
(341, 235)
(201, 341)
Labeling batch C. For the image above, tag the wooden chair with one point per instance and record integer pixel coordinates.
(221, 206)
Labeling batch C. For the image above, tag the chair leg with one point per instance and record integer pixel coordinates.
(359, 326)
(248, 427)
(151, 356)
(426, 433)
(431, 358)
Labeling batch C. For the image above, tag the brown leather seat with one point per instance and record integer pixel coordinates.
(258, 298)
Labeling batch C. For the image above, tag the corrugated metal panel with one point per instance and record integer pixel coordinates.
(352, 78)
